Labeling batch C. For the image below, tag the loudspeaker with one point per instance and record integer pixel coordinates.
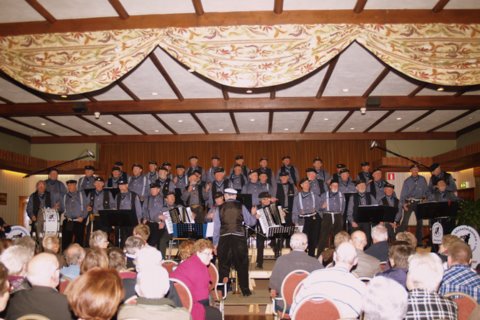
(80, 107)
(373, 102)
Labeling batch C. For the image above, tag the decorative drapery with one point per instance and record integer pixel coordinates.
(240, 56)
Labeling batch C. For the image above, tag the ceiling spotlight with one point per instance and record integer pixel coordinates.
(252, 120)
(156, 130)
(220, 130)
(326, 119)
(64, 96)
(249, 91)
(109, 123)
(352, 128)
(285, 129)
(399, 118)
(440, 89)
(180, 121)
(363, 110)
(345, 90)
(154, 93)
(191, 70)
(96, 114)
(43, 124)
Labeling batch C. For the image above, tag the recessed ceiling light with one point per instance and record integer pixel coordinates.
(352, 128)
(179, 120)
(220, 130)
(43, 124)
(470, 118)
(109, 123)
(64, 96)
(399, 118)
(157, 130)
(191, 70)
(94, 131)
(440, 89)
(345, 90)
(252, 120)
(326, 119)
(154, 93)
(285, 129)
(249, 91)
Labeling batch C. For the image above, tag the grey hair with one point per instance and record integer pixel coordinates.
(385, 299)
(15, 258)
(299, 241)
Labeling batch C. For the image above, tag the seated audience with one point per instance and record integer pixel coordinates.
(4, 287)
(341, 237)
(398, 256)
(94, 258)
(367, 265)
(336, 284)
(385, 299)
(459, 277)
(42, 299)
(51, 244)
(298, 259)
(185, 249)
(142, 231)
(326, 258)
(194, 273)
(447, 241)
(98, 240)
(408, 237)
(4, 244)
(118, 261)
(132, 246)
(379, 248)
(27, 242)
(74, 256)
(151, 286)
(15, 259)
(96, 294)
(425, 273)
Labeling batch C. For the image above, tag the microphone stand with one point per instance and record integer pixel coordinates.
(88, 155)
(374, 145)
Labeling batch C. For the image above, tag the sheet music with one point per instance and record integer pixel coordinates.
(168, 222)
(263, 221)
(282, 214)
(209, 233)
(190, 216)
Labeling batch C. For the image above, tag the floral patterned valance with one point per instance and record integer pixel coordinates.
(240, 56)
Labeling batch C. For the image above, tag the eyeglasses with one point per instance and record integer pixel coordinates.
(207, 253)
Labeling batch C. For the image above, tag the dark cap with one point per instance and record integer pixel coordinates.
(238, 157)
(264, 194)
(154, 185)
(434, 166)
(286, 157)
(122, 181)
(302, 181)
(334, 180)
(376, 169)
(71, 181)
(310, 170)
(89, 168)
(283, 174)
(218, 195)
(53, 169)
(169, 194)
(215, 157)
(99, 179)
(116, 168)
(118, 163)
(360, 181)
(415, 166)
(389, 185)
(138, 165)
(343, 170)
(253, 171)
(193, 157)
(317, 159)
(341, 165)
(440, 179)
(180, 166)
(152, 162)
(365, 163)
(236, 165)
(263, 158)
(196, 172)
(162, 168)
(166, 164)
(218, 169)
(260, 172)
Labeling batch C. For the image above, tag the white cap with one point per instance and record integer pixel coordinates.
(230, 191)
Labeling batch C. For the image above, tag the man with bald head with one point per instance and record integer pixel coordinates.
(43, 299)
(367, 265)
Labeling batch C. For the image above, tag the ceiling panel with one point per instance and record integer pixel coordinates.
(393, 85)
(359, 123)
(217, 122)
(325, 121)
(355, 71)
(16, 94)
(463, 122)
(21, 129)
(146, 122)
(182, 123)
(78, 9)
(80, 125)
(463, 4)
(142, 7)
(234, 5)
(17, 11)
(431, 92)
(436, 118)
(190, 85)
(252, 122)
(318, 5)
(397, 120)
(404, 4)
(47, 126)
(472, 93)
(148, 84)
(114, 124)
(306, 88)
(288, 121)
(113, 94)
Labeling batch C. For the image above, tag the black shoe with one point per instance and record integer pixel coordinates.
(246, 292)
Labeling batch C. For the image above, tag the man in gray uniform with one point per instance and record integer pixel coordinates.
(439, 174)
(165, 183)
(253, 187)
(75, 214)
(391, 200)
(377, 185)
(316, 185)
(98, 199)
(138, 182)
(414, 190)
(181, 182)
(152, 171)
(127, 200)
(322, 174)
(365, 174)
(115, 177)
(195, 167)
(54, 186)
(152, 211)
(360, 198)
(237, 179)
(194, 196)
(211, 171)
(241, 162)
(305, 211)
(287, 167)
(86, 182)
(219, 184)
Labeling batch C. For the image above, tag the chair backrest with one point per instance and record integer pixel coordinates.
(183, 293)
(213, 272)
(311, 308)
(290, 283)
(170, 265)
(465, 303)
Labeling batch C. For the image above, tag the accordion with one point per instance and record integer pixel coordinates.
(272, 219)
(177, 215)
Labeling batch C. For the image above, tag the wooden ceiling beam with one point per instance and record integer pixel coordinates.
(164, 124)
(234, 122)
(385, 116)
(426, 114)
(326, 78)
(89, 97)
(440, 5)
(270, 121)
(194, 116)
(419, 88)
(376, 82)
(31, 127)
(278, 6)
(118, 6)
(225, 93)
(42, 11)
(343, 121)
(451, 120)
(185, 20)
(251, 137)
(62, 125)
(130, 124)
(165, 75)
(198, 6)
(307, 121)
(273, 93)
(127, 90)
(93, 123)
(359, 6)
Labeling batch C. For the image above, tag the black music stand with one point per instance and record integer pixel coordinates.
(246, 200)
(118, 219)
(376, 214)
(189, 230)
(437, 210)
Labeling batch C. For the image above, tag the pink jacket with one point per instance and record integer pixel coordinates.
(195, 275)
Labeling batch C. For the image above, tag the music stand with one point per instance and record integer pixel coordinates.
(245, 199)
(437, 210)
(376, 214)
(119, 219)
(189, 230)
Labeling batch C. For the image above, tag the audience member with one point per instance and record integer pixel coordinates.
(51, 244)
(152, 285)
(336, 284)
(408, 237)
(15, 259)
(94, 258)
(367, 265)
(341, 237)
(459, 277)
(132, 246)
(326, 257)
(385, 299)
(194, 273)
(185, 249)
(118, 261)
(398, 255)
(424, 276)
(74, 256)
(43, 299)
(379, 248)
(4, 287)
(27, 242)
(447, 241)
(4, 244)
(142, 231)
(98, 240)
(96, 294)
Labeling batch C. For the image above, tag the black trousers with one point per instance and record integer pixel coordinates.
(72, 230)
(329, 229)
(260, 239)
(311, 228)
(404, 225)
(159, 238)
(366, 227)
(233, 250)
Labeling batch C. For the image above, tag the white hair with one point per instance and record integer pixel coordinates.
(298, 241)
(15, 258)
(425, 271)
(379, 233)
(345, 253)
(43, 270)
(385, 299)
(152, 282)
(148, 257)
